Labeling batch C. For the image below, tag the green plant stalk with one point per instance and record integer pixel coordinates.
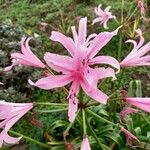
(130, 9)
(81, 95)
(143, 138)
(148, 122)
(122, 7)
(100, 118)
(51, 104)
(94, 134)
(84, 122)
(51, 111)
(119, 48)
(29, 139)
(132, 14)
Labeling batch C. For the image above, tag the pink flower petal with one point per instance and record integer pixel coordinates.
(52, 82)
(73, 101)
(142, 103)
(129, 136)
(73, 107)
(59, 63)
(11, 140)
(22, 59)
(82, 31)
(67, 42)
(26, 57)
(94, 93)
(10, 113)
(100, 41)
(96, 20)
(85, 144)
(138, 56)
(106, 60)
(127, 111)
(101, 73)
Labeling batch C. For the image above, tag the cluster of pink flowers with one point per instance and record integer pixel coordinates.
(78, 69)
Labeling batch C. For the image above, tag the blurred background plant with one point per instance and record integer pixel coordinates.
(18, 18)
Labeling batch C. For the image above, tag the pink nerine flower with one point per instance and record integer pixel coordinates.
(138, 56)
(127, 110)
(26, 57)
(130, 138)
(85, 144)
(142, 103)
(142, 6)
(77, 68)
(10, 113)
(103, 16)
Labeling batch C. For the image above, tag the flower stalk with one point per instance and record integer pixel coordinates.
(50, 104)
(29, 139)
(84, 122)
(100, 118)
(51, 111)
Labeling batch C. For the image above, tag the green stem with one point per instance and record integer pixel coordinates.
(29, 139)
(94, 134)
(84, 122)
(131, 6)
(51, 111)
(144, 139)
(93, 104)
(122, 5)
(119, 48)
(145, 119)
(81, 95)
(51, 104)
(100, 118)
(132, 14)
(116, 91)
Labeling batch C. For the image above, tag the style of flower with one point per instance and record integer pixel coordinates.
(142, 103)
(130, 138)
(103, 16)
(85, 144)
(76, 69)
(142, 6)
(127, 110)
(10, 113)
(138, 56)
(25, 58)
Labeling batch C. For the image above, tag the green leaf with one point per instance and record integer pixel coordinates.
(116, 138)
(138, 88)
(130, 89)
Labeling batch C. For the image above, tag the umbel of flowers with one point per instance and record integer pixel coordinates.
(77, 69)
